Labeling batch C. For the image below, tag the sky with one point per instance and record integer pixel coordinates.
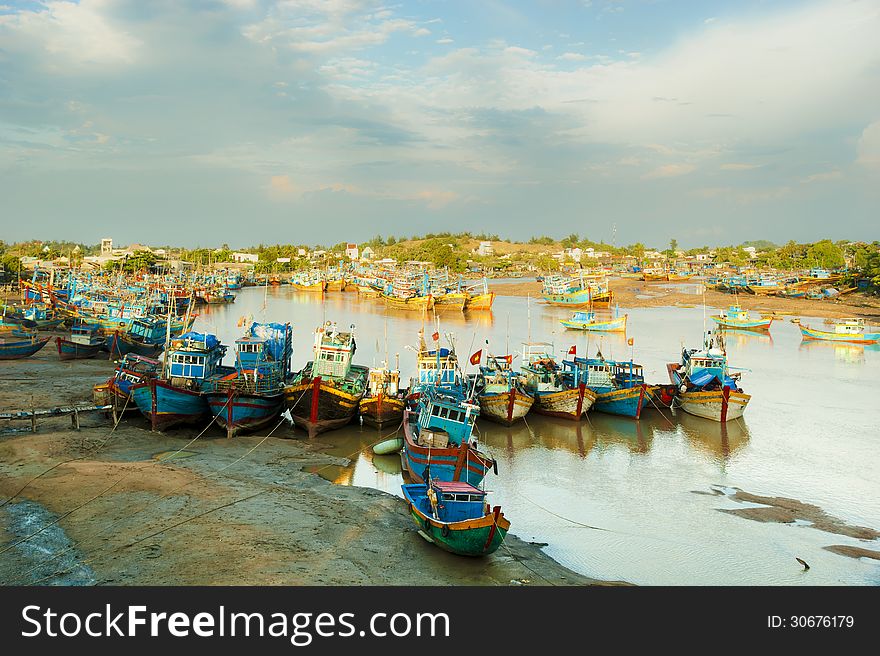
(202, 122)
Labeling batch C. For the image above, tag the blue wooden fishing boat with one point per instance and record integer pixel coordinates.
(253, 395)
(706, 386)
(144, 336)
(437, 438)
(736, 317)
(17, 347)
(619, 386)
(456, 517)
(85, 341)
(556, 392)
(131, 370)
(192, 365)
(845, 330)
(576, 292)
(589, 322)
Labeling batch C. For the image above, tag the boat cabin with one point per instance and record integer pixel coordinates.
(437, 367)
(384, 380)
(195, 356)
(86, 334)
(447, 414)
(333, 351)
(457, 501)
(851, 326)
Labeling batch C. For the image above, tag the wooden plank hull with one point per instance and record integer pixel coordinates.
(334, 285)
(861, 338)
(660, 396)
(453, 463)
(119, 344)
(242, 413)
(452, 301)
(612, 326)
(719, 405)
(471, 537)
(566, 404)
(167, 406)
(419, 303)
(757, 324)
(381, 410)
(627, 402)
(480, 302)
(16, 348)
(317, 287)
(68, 350)
(318, 406)
(505, 408)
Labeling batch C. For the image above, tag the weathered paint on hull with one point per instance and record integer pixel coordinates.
(613, 326)
(505, 408)
(566, 404)
(474, 537)
(318, 287)
(68, 350)
(318, 406)
(452, 301)
(118, 345)
(626, 402)
(381, 410)
(480, 302)
(415, 303)
(167, 406)
(242, 413)
(17, 349)
(758, 324)
(721, 405)
(456, 463)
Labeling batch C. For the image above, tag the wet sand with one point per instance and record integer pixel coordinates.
(637, 293)
(215, 514)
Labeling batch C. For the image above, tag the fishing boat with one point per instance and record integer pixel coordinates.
(576, 292)
(191, 363)
(383, 402)
(38, 316)
(144, 336)
(253, 395)
(365, 291)
(589, 322)
(437, 437)
(17, 346)
(456, 517)
(619, 386)
(706, 387)
(736, 317)
(501, 396)
(131, 370)
(479, 302)
(450, 301)
(327, 392)
(556, 393)
(84, 342)
(408, 302)
(845, 330)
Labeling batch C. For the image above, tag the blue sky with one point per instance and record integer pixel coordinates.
(318, 121)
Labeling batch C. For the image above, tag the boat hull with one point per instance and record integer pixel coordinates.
(381, 410)
(68, 350)
(480, 536)
(453, 463)
(237, 412)
(758, 324)
(318, 406)
(17, 349)
(614, 325)
(856, 338)
(167, 406)
(452, 301)
(480, 301)
(719, 405)
(119, 344)
(566, 404)
(419, 303)
(506, 407)
(318, 287)
(627, 402)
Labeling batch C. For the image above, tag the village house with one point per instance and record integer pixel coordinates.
(245, 257)
(368, 253)
(351, 251)
(485, 249)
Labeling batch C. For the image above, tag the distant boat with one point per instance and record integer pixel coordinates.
(845, 330)
(587, 321)
(456, 517)
(736, 317)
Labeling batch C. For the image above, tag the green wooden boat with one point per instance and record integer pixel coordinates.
(454, 515)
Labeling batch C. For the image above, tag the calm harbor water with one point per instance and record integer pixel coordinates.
(640, 501)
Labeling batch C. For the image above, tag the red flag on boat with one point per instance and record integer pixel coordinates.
(436, 337)
(629, 342)
(573, 350)
(509, 359)
(476, 357)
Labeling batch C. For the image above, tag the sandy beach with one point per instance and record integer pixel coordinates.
(116, 509)
(630, 293)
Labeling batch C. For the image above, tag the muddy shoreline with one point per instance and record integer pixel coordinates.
(633, 293)
(221, 512)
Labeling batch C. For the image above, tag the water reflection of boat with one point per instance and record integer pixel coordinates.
(745, 336)
(548, 432)
(843, 351)
(634, 435)
(720, 439)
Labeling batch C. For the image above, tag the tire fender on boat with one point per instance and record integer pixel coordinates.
(445, 531)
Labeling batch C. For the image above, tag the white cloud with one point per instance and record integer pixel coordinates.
(740, 166)
(422, 31)
(444, 40)
(669, 171)
(868, 147)
(572, 56)
(825, 176)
